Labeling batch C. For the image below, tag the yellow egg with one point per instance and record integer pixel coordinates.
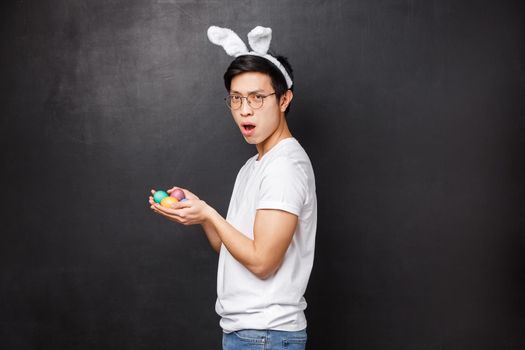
(168, 201)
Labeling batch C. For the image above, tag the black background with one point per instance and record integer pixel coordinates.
(412, 113)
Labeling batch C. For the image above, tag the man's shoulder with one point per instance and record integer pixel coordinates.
(246, 167)
(291, 153)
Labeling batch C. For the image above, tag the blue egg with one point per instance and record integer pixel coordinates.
(184, 200)
(159, 196)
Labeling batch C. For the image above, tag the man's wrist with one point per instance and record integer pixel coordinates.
(210, 215)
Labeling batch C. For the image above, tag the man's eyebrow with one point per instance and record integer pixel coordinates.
(249, 92)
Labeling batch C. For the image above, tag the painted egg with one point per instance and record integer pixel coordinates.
(158, 196)
(168, 201)
(178, 193)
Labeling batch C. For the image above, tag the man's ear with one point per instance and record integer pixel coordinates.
(286, 99)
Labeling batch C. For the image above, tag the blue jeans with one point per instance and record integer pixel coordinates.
(253, 339)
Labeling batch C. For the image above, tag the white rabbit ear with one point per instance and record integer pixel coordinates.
(259, 39)
(225, 37)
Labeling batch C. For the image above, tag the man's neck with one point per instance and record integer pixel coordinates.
(281, 133)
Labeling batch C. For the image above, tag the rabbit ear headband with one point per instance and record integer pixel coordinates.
(259, 39)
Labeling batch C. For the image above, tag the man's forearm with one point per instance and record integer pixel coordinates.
(213, 237)
(240, 247)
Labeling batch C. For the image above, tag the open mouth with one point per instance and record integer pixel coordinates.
(247, 129)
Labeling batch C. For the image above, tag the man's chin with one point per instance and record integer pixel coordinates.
(250, 140)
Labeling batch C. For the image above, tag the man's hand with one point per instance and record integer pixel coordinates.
(190, 212)
(262, 255)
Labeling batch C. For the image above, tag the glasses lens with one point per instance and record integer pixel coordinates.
(255, 100)
(233, 101)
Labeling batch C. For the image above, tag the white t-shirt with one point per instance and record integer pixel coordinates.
(282, 179)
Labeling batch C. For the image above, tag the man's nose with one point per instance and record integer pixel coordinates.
(245, 108)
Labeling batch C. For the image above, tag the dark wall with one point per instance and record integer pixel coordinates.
(412, 113)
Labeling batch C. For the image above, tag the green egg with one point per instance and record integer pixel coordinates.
(159, 195)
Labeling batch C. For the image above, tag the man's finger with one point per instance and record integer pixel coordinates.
(161, 210)
(189, 194)
(168, 211)
(180, 205)
(155, 210)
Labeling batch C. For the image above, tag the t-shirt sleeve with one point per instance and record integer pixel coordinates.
(283, 186)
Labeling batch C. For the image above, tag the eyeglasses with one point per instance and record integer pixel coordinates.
(255, 101)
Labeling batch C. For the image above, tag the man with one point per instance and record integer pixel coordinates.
(266, 243)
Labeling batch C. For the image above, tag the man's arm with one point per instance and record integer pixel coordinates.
(273, 232)
(213, 237)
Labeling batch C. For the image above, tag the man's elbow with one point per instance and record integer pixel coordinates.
(263, 271)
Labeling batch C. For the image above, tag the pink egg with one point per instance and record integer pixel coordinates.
(178, 193)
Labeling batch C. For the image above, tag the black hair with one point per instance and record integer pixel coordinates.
(251, 63)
